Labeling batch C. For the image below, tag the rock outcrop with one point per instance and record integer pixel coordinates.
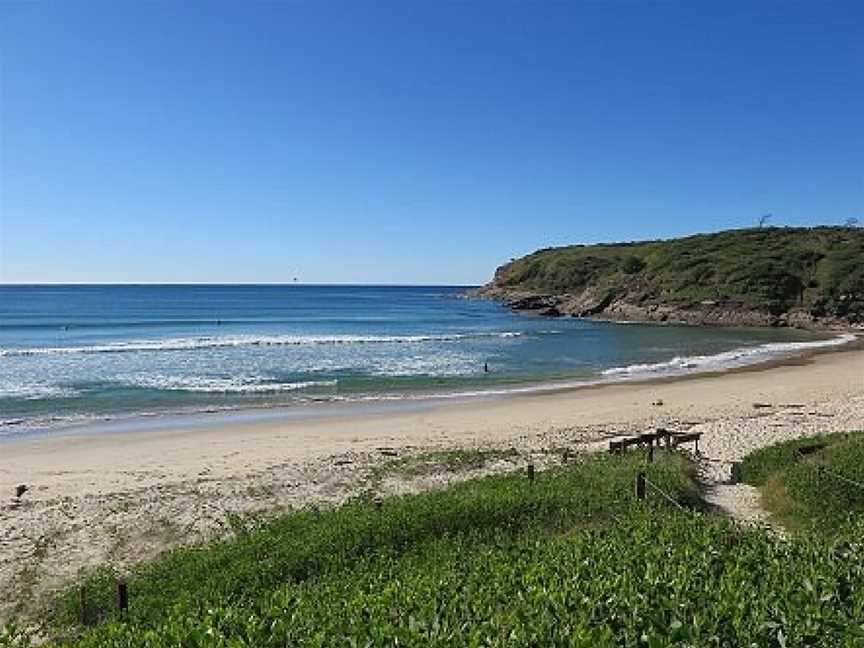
(803, 278)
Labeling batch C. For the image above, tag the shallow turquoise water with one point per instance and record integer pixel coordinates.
(74, 353)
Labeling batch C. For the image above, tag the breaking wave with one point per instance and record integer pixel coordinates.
(234, 385)
(726, 360)
(191, 344)
(33, 391)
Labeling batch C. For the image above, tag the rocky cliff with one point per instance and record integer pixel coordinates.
(802, 277)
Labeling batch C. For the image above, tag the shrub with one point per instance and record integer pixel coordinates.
(632, 264)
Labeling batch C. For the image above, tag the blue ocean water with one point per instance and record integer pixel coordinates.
(77, 353)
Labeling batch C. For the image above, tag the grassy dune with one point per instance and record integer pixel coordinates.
(810, 484)
(570, 559)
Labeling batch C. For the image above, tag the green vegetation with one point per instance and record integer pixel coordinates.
(818, 271)
(810, 483)
(443, 461)
(570, 559)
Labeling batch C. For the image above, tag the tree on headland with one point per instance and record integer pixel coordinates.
(851, 222)
(764, 218)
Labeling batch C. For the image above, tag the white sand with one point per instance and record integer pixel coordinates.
(121, 498)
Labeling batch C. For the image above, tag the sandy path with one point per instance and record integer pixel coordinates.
(739, 501)
(122, 498)
(728, 440)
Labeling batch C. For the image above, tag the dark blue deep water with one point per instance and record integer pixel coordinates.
(73, 353)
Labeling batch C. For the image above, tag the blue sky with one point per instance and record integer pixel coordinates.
(409, 142)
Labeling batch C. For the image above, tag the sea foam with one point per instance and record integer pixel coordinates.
(234, 384)
(726, 360)
(191, 344)
(32, 391)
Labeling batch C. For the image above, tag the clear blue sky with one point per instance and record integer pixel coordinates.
(411, 141)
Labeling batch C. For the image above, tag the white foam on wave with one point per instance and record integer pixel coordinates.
(34, 391)
(256, 384)
(234, 384)
(207, 342)
(11, 426)
(725, 360)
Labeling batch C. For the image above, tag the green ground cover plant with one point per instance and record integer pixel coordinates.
(570, 559)
(303, 544)
(442, 461)
(810, 484)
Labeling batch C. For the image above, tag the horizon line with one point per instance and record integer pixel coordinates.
(232, 283)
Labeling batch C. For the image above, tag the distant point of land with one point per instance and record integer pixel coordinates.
(771, 276)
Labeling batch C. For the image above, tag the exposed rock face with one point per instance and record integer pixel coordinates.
(539, 304)
(637, 308)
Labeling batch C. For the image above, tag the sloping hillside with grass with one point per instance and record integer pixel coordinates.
(768, 276)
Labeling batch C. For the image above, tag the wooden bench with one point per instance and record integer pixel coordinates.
(647, 438)
(686, 437)
(671, 438)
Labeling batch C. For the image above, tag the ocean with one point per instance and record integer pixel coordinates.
(70, 355)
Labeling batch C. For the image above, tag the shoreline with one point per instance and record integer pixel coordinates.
(26, 456)
(385, 404)
(120, 498)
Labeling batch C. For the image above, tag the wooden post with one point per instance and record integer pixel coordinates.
(663, 433)
(697, 445)
(736, 472)
(122, 597)
(82, 603)
(530, 472)
(640, 485)
(650, 453)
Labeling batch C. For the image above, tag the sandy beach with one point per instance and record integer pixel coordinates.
(121, 498)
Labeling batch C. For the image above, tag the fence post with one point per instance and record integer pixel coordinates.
(122, 597)
(650, 453)
(530, 472)
(735, 472)
(82, 602)
(640, 485)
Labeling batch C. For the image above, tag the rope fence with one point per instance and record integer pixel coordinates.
(664, 494)
(641, 492)
(824, 470)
